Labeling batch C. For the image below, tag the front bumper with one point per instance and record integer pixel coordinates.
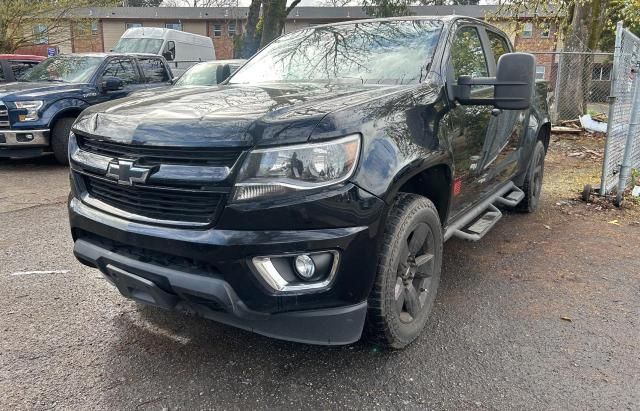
(209, 271)
(215, 299)
(23, 143)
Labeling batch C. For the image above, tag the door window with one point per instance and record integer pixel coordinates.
(124, 69)
(467, 54)
(154, 70)
(499, 45)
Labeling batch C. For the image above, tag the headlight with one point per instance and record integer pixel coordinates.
(32, 108)
(283, 170)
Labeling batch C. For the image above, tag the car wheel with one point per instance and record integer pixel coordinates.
(60, 139)
(533, 181)
(408, 273)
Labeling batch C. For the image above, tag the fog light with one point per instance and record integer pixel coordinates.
(305, 266)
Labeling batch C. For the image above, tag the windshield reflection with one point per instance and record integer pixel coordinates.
(387, 52)
(66, 69)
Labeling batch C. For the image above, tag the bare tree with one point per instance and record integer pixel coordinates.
(199, 3)
(24, 23)
(338, 3)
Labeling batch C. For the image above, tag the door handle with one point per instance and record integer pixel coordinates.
(496, 112)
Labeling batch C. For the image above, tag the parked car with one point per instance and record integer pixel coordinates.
(180, 48)
(36, 113)
(309, 196)
(13, 66)
(209, 73)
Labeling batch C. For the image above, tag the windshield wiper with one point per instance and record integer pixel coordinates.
(56, 80)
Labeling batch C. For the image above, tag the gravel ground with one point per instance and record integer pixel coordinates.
(541, 314)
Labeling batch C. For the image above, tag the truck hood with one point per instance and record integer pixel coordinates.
(36, 90)
(223, 115)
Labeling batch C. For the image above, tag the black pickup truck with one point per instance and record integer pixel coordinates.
(308, 197)
(37, 111)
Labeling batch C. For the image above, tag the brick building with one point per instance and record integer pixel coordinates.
(102, 27)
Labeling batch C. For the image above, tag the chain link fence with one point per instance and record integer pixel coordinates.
(622, 150)
(606, 86)
(578, 82)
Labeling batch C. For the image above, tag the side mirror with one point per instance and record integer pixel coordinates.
(112, 84)
(223, 71)
(513, 84)
(168, 55)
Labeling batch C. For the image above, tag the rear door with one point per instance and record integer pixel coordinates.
(154, 72)
(469, 124)
(500, 153)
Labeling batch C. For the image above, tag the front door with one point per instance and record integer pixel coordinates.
(501, 150)
(469, 124)
(126, 70)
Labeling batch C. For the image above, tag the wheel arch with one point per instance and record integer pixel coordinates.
(432, 181)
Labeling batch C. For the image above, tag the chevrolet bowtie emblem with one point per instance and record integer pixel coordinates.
(128, 173)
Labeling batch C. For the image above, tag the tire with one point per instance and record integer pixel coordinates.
(60, 139)
(532, 186)
(408, 273)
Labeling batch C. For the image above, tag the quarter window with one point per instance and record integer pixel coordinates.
(467, 55)
(124, 69)
(499, 45)
(154, 70)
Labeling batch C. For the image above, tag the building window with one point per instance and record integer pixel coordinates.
(132, 25)
(601, 72)
(540, 72)
(545, 30)
(40, 34)
(527, 30)
(217, 30)
(232, 29)
(86, 28)
(174, 26)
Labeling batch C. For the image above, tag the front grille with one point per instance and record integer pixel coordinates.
(4, 117)
(154, 155)
(161, 203)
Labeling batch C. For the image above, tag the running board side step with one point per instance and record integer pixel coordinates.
(481, 219)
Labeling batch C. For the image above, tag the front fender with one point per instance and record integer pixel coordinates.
(61, 107)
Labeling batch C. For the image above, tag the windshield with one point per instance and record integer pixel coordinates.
(68, 69)
(387, 52)
(141, 45)
(203, 74)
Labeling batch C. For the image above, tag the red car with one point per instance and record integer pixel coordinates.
(13, 66)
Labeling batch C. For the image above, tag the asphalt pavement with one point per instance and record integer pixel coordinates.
(543, 313)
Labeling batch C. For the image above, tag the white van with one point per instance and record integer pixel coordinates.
(181, 49)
